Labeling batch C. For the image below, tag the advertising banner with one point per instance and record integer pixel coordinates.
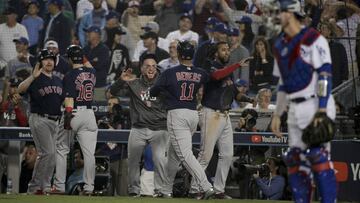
(346, 159)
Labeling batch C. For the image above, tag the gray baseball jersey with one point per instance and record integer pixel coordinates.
(148, 118)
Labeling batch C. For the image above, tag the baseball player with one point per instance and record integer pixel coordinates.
(180, 85)
(215, 123)
(79, 90)
(63, 137)
(148, 121)
(46, 97)
(303, 64)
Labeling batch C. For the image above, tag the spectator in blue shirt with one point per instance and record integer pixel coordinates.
(98, 55)
(33, 24)
(94, 18)
(77, 176)
(272, 187)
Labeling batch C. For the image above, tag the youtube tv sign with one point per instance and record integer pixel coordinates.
(346, 160)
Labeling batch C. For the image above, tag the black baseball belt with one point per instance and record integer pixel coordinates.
(50, 117)
(298, 100)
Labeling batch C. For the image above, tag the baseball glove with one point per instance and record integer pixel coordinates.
(320, 130)
(67, 120)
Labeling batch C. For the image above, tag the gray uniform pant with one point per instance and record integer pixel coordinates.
(182, 124)
(85, 128)
(64, 141)
(159, 141)
(44, 132)
(215, 129)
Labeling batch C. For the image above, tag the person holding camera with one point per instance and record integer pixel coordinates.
(247, 121)
(148, 119)
(272, 187)
(116, 152)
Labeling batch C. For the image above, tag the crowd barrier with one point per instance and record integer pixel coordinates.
(344, 154)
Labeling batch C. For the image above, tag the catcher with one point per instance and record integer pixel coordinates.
(303, 64)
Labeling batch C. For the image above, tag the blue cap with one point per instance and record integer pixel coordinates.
(185, 15)
(9, 10)
(221, 27)
(21, 40)
(241, 83)
(244, 20)
(119, 31)
(56, 2)
(234, 32)
(35, 2)
(210, 24)
(93, 29)
(112, 14)
(212, 21)
(151, 26)
(14, 82)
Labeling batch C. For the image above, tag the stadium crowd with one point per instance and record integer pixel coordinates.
(120, 36)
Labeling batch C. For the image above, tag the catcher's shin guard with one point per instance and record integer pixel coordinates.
(323, 173)
(298, 173)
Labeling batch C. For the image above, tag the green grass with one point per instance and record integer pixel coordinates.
(79, 199)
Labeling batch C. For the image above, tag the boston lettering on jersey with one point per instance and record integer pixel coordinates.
(46, 95)
(50, 90)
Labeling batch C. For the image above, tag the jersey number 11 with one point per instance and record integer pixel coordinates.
(184, 88)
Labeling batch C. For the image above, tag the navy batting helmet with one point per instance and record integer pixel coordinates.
(45, 54)
(185, 50)
(75, 53)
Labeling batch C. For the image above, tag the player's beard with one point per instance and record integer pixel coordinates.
(224, 60)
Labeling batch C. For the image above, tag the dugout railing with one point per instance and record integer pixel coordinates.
(344, 153)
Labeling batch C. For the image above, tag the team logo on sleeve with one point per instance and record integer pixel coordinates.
(321, 51)
(284, 51)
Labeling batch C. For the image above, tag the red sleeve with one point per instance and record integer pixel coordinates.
(21, 117)
(222, 73)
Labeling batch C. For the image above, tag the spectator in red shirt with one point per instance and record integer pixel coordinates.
(12, 108)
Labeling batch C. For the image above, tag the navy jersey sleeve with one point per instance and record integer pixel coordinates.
(159, 85)
(69, 86)
(206, 77)
(208, 67)
(31, 87)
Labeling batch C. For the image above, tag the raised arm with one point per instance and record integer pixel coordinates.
(24, 85)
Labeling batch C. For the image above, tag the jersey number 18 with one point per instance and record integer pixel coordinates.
(85, 92)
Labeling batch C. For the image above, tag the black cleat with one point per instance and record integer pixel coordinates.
(133, 194)
(222, 196)
(197, 195)
(209, 194)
